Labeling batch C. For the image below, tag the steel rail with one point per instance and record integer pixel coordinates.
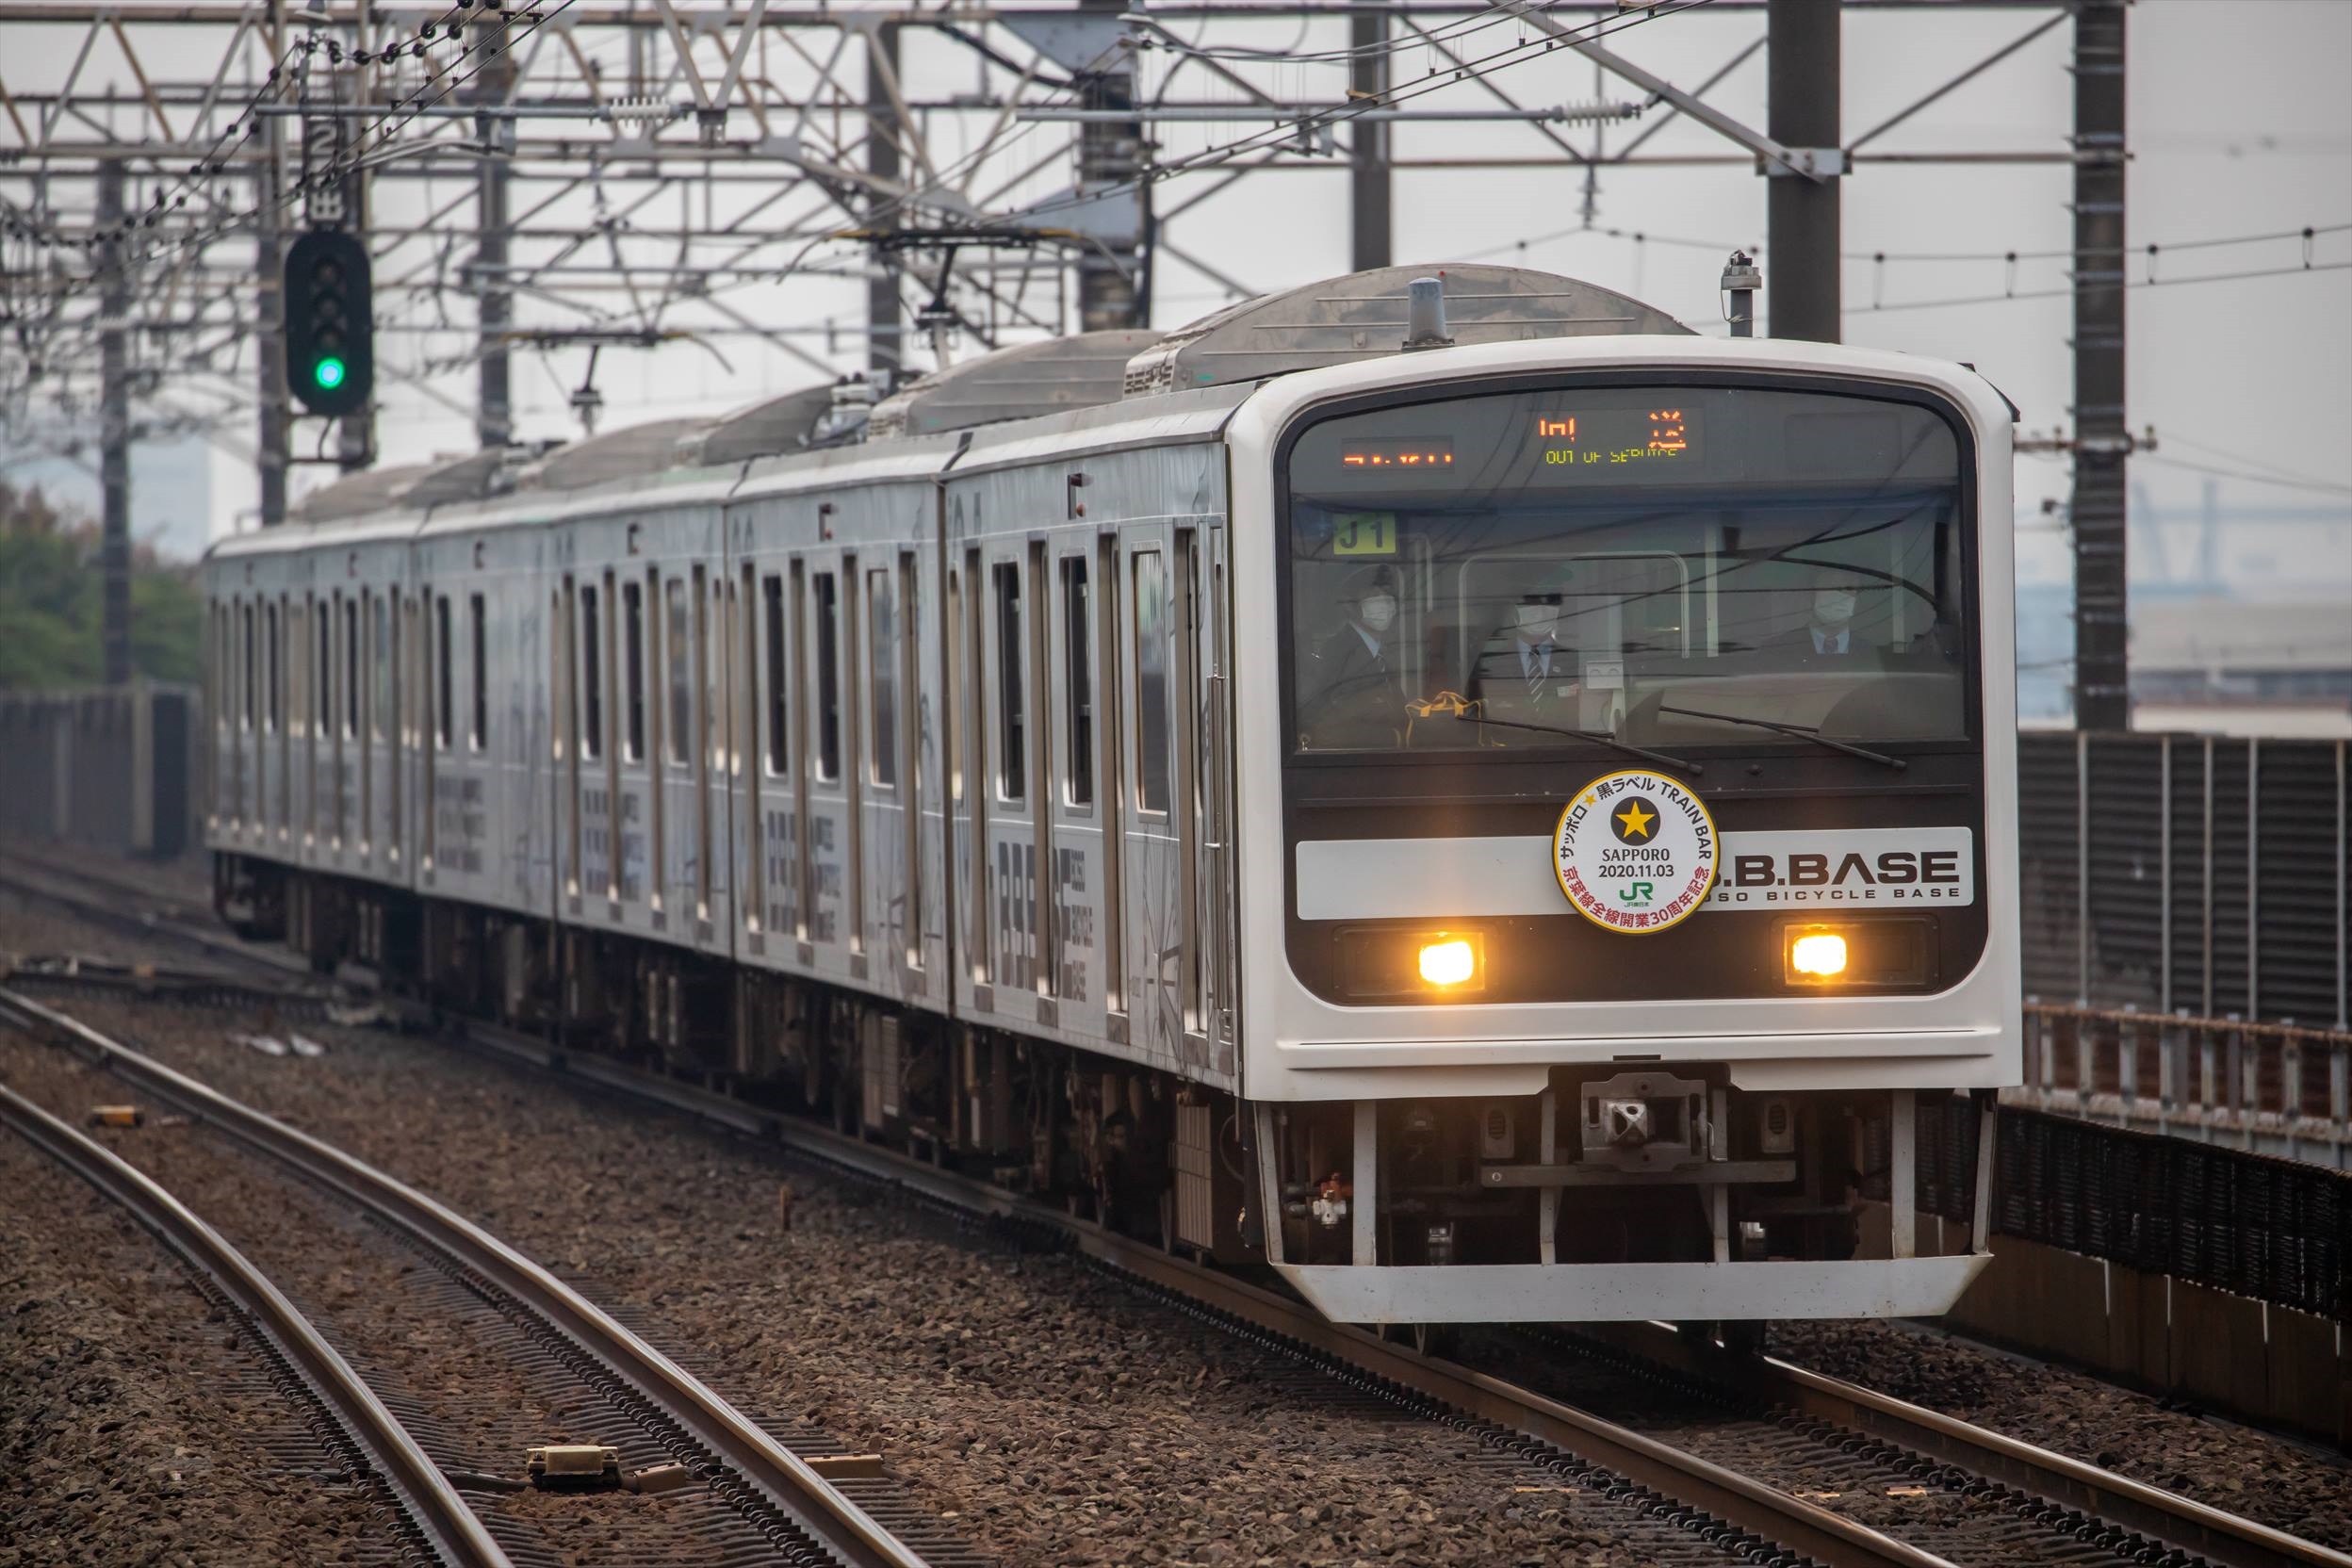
(450, 1528)
(2178, 1522)
(2165, 1516)
(835, 1521)
(34, 878)
(1746, 1504)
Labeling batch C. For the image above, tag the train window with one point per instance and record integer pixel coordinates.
(352, 692)
(252, 669)
(678, 654)
(270, 618)
(1748, 567)
(955, 699)
(772, 603)
(1077, 682)
(1012, 750)
(828, 679)
(479, 614)
(323, 664)
(1151, 646)
(380, 628)
(634, 637)
(591, 675)
(445, 719)
(882, 669)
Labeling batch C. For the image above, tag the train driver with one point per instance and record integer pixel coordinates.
(1353, 699)
(1528, 677)
(1828, 635)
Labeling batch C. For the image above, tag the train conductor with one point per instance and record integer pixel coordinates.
(1353, 699)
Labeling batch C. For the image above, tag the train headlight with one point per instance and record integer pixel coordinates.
(1448, 961)
(1816, 955)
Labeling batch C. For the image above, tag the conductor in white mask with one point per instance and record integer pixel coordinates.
(1352, 697)
(1828, 633)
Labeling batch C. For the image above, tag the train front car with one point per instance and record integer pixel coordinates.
(1626, 806)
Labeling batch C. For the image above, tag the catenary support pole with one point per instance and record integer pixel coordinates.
(494, 405)
(886, 314)
(1804, 291)
(355, 433)
(269, 302)
(2101, 674)
(1368, 176)
(114, 427)
(1110, 155)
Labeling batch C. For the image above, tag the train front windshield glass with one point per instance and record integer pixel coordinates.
(1667, 567)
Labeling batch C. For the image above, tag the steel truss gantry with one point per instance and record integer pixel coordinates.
(584, 175)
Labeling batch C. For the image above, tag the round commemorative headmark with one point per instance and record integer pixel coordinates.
(1635, 851)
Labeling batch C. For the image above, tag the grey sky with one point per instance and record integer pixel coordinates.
(2238, 117)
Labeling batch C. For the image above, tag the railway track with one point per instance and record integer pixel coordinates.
(148, 915)
(430, 1508)
(2028, 1503)
(796, 1513)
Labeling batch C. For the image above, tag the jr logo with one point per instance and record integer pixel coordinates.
(1637, 893)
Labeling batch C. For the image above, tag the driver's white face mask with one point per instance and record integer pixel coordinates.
(1380, 613)
(1833, 606)
(1537, 620)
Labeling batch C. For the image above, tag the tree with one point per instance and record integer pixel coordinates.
(52, 602)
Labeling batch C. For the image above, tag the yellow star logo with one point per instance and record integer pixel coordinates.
(1636, 821)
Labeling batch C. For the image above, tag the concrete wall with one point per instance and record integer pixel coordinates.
(2230, 1354)
(112, 769)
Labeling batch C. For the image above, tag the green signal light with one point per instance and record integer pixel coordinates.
(328, 374)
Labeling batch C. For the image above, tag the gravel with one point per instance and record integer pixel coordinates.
(2289, 1485)
(1060, 1415)
(136, 1424)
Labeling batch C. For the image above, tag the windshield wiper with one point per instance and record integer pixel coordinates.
(1804, 731)
(1602, 736)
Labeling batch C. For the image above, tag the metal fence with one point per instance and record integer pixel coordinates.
(2190, 875)
(2277, 1229)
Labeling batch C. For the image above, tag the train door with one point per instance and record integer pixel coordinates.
(969, 788)
(891, 774)
(1106, 593)
(753, 687)
(563, 698)
(349, 825)
(1161, 864)
(719, 750)
(1009, 915)
(1072, 851)
(1214, 861)
(371, 636)
(852, 769)
(823, 783)
(391, 682)
(772, 878)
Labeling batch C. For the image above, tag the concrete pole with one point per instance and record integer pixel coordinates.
(886, 313)
(494, 313)
(1803, 288)
(114, 460)
(269, 324)
(1373, 242)
(2102, 698)
(1111, 274)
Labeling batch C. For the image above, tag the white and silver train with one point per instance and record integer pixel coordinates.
(1500, 830)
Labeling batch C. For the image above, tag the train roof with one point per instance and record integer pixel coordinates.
(1053, 376)
(1082, 392)
(1362, 315)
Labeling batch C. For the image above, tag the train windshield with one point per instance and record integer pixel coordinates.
(1664, 568)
